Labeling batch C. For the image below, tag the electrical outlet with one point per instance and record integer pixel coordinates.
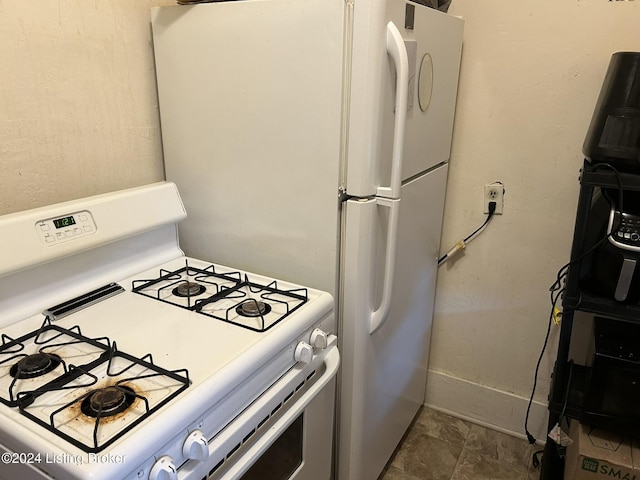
(494, 192)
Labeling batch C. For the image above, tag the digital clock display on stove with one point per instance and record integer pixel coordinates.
(64, 222)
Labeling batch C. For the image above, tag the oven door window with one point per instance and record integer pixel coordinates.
(282, 458)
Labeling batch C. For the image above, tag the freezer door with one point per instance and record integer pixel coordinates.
(384, 372)
(433, 45)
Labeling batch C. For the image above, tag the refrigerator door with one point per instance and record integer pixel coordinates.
(384, 372)
(251, 105)
(433, 45)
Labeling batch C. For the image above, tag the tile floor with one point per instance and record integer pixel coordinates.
(441, 447)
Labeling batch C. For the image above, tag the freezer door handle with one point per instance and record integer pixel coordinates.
(398, 52)
(379, 316)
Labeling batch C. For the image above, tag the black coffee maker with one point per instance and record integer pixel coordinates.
(614, 133)
(613, 143)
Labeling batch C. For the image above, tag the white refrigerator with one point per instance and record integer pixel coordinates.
(310, 141)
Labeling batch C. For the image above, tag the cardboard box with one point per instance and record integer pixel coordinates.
(596, 454)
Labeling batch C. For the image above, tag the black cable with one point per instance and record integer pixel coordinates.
(535, 460)
(558, 290)
(565, 268)
(566, 394)
(554, 300)
(614, 228)
(618, 179)
(492, 211)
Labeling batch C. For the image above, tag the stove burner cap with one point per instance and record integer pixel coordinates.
(189, 289)
(253, 308)
(35, 365)
(108, 401)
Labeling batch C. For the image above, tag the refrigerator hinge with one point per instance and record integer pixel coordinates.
(343, 196)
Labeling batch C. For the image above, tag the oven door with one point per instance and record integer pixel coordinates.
(287, 434)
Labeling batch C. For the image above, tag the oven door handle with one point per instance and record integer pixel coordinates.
(289, 414)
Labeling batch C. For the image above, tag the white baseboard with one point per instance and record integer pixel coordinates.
(496, 409)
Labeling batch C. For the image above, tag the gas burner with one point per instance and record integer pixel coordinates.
(252, 305)
(253, 308)
(179, 287)
(34, 360)
(224, 294)
(96, 404)
(35, 365)
(189, 289)
(107, 401)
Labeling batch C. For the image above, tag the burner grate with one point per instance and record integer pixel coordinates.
(183, 287)
(42, 356)
(104, 400)
(253, 306)
(229, 297)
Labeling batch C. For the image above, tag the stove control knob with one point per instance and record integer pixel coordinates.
(195, 447)
(303, 353)
(163, 469)
(319, 339)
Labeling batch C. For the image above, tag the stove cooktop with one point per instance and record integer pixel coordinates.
(82, 389)
(229, 296)
(189, 348)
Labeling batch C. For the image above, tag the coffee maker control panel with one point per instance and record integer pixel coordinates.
(624, 230)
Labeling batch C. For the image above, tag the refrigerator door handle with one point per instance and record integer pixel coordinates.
(379, 316)
(398, 52)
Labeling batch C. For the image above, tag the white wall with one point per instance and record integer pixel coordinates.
(78, 108)
(531, 74)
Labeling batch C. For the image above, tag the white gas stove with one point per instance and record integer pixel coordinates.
(122, 358)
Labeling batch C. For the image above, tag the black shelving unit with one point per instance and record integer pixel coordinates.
(570, 381)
